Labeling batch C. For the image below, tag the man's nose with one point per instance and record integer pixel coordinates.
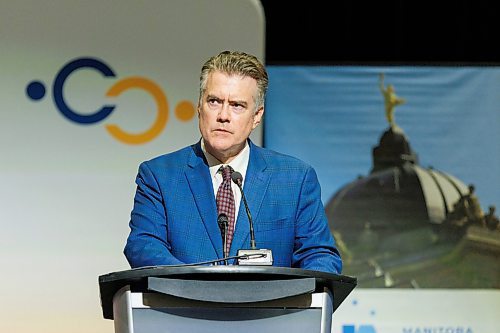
(224, 113)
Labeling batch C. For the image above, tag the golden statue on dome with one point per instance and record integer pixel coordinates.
(390, 100)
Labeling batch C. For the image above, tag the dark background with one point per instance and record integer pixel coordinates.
(382, 32)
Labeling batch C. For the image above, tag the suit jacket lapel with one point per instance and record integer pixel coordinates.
(198, 176)
(256, 182)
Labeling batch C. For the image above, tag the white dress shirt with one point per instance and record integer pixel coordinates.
(239, 163)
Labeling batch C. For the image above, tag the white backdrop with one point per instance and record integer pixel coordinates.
(67, 188)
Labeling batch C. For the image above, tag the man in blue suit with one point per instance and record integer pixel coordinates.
(174, 220)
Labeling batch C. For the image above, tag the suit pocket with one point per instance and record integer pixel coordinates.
(278, 236)
(279, 224)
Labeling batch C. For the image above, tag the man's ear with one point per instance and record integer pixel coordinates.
(257, 117)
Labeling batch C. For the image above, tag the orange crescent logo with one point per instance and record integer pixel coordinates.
(162, 110)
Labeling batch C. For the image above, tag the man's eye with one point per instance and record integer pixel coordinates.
(238, 107)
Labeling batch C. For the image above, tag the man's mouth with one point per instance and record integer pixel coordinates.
(222, 130)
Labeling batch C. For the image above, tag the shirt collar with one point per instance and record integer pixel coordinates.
(239, 163)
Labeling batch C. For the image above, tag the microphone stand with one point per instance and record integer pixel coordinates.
(225, 245)
(252, 256)
(223, 221)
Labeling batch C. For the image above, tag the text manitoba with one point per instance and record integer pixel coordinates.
(437, 329)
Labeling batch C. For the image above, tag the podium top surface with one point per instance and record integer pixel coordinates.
(138, 278)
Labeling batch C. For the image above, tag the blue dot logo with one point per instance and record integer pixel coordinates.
(35, 90)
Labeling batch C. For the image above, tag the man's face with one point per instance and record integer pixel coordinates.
(226, 114)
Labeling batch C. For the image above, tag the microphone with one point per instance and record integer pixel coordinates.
(265, 256)
(223, 221)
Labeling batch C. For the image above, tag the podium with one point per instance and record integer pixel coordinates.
(167, 299)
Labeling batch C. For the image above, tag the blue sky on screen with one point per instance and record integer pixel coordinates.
(332, 117)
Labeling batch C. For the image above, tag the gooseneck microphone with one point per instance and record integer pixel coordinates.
(252, 256)
(223, 221)
(238, 179)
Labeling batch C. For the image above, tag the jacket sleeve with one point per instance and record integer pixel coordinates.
(147, 244)
(314, 246)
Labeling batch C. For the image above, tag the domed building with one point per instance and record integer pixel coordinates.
(408, 226)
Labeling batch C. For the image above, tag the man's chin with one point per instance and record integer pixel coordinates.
(217, 147)
(222, 150)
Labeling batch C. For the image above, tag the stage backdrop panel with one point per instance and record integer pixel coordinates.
(397, 197)
(89, 89)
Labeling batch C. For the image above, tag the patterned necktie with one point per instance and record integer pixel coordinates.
(225, 203)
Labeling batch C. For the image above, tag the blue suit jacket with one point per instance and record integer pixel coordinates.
(174, 218)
